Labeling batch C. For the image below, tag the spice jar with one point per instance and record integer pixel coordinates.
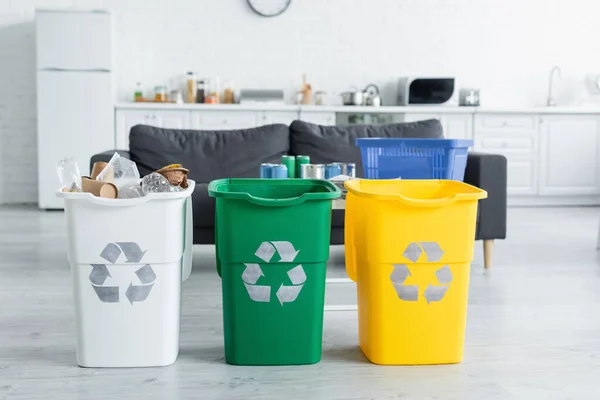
(176, 96)
(228, 93)
(320, 98)
(160, 94)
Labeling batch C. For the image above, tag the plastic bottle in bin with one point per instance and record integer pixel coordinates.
(156, 183)
(69, 175)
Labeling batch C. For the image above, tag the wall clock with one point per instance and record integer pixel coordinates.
(269, 8)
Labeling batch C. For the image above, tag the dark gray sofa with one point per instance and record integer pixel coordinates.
(238, 153)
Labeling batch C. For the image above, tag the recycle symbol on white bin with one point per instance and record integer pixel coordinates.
(433, 293)
(253, 272)
(133, 254)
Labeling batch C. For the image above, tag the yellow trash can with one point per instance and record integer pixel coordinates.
(409, 247)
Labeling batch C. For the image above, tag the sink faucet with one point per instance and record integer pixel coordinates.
(551, 99)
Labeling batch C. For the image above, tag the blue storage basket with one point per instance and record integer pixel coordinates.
(391, 158)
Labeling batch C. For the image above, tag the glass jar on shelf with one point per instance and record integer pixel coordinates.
(160, 94)
(320, 98)
(228, 93)
(215, 91)
(191, 87)
(176, 96)
(200, 92)
(208, 99)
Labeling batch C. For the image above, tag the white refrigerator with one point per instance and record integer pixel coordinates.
(75, 96)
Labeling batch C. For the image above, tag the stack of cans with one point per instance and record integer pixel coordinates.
(323, 171)
(274, 171)
(348, 169)
(300, 161)
(300, 167)
(312, 171)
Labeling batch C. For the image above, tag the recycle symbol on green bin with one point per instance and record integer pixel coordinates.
(100, 273)
(253, 272)
(433, 293)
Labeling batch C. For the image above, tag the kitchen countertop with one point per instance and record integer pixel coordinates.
(583, 109)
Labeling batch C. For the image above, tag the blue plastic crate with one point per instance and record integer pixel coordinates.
(390, 158)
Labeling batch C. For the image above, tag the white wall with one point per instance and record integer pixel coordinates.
(505, 47)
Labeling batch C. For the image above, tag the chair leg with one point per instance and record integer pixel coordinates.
(488, 252)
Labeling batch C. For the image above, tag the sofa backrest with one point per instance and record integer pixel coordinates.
(209, 154)
(238, 153)
(327, 144)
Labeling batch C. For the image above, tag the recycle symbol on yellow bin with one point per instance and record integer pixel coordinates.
(253, 272)
(100, 273)
(433, 292)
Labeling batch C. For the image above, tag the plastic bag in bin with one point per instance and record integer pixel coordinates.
(119, 171)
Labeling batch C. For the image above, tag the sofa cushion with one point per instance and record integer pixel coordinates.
(326, 144)
(208, 154)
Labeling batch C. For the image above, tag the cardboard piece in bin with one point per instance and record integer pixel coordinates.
(99, 188)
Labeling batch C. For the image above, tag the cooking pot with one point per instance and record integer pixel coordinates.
(352, 98)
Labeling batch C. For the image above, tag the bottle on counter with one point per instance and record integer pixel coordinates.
(215, 91)
(191, 87)
(200, 91)
(138, 95)
(228, 93)
(208, 99)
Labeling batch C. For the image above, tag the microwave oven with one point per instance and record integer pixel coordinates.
(414, 91)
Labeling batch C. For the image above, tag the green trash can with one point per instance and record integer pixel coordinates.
(272, 245)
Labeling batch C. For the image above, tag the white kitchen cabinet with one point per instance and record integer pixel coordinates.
(522, 175)
(420, 117)
(126, 119)
(278, 117)
(569, 152)
(516, 137)
(225, 120)
(456, 126)
(172, 119)
(318, 117)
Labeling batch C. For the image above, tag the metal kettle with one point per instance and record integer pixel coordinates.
(371, 96)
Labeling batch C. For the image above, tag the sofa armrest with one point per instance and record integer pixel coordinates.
(106, 156)
(488, 172)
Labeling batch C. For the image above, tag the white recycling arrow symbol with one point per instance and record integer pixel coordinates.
(253, 272)
(287, 294)
(133, 254)
(250, 276)
(413, 252)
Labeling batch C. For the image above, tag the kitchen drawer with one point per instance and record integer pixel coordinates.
(507, 144)
(224, 120)
(278, 117)
(506, 122)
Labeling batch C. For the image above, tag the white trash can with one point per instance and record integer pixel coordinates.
(128, 258)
